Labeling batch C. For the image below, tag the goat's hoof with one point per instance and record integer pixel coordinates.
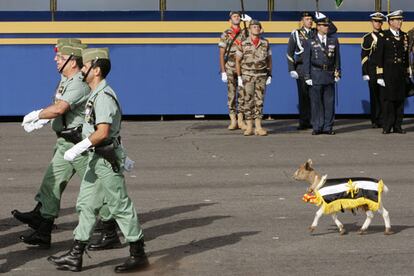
(311, 229)
(342, 231)
(388, 231)
(362, 231)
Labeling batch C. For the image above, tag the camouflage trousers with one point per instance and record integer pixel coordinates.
(235, 95)
(254, 87)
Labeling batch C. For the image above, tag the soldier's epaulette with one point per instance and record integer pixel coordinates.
(366, 35)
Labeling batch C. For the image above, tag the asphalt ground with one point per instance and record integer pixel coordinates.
(213, 202)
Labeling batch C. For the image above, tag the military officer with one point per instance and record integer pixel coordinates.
(254, 71)
(369, 64)
(322, 68)
(103, 179)
(67, 113)
(229, 41)
(295, 63)
(393, 73)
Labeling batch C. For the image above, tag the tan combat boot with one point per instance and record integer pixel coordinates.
(249, 128)
(233, 122)
(240, 121)
(259, 130)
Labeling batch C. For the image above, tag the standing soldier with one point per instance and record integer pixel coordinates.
(103, 179)
(411, 49)
(369, 62)
(322, 68)
(229, 41)
(393, 72)
(295, 63)
(254, 71)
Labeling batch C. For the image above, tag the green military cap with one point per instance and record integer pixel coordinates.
(255, 22)
(306, 14)
(95, 54)
(71, 49)
(68, 41)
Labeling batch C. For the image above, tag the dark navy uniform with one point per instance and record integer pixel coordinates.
(369, 62)
(294, 56)
(321, 64)
(393, 68)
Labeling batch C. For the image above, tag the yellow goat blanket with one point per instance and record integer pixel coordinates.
(349, 193)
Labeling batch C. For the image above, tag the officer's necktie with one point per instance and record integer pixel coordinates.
(323, 42)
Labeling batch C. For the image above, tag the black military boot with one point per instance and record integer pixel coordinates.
(109, 237)
(40, 237)
(72, 260)
(137, 260)
(32, 218)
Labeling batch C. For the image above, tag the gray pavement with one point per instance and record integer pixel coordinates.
(213, 202)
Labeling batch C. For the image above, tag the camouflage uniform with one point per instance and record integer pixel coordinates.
(232, 96)
(254, 73)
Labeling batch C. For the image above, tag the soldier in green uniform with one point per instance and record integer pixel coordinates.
(104, 179)
(67, 113)
(254, 70)
(229, 41)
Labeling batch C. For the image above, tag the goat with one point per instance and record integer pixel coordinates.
(333, 195)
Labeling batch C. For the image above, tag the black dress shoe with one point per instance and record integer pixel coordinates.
(400, 131)
(316, 132)
(329, 132)
(386, 132)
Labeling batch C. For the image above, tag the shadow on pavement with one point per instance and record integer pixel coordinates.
(170, 257)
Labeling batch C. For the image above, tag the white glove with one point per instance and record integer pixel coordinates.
(337, 79)
(294, 74)
(309, 82)
(32, 116)
(269, 80)
(246, 18)
(365, 78)
(240, 81)
(319, 15)
(224, 77)
(128, 164)
(29, 127)
(381, 82)
(77, 149)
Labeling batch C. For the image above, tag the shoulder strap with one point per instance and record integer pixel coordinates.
(228, 48)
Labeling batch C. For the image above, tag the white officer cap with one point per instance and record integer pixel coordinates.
(395, 15)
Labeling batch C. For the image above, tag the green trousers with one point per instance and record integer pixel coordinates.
(101, 186)
(57, 175)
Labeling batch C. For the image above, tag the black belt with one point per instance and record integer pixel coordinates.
(72, 135)
(324, 67)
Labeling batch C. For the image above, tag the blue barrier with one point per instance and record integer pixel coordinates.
(167, 79)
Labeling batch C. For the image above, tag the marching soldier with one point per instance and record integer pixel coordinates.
(322, 68)
(254, 71)
(295, 63)
(229, 41)
(103, 180)
(67, 113)
(393, 72)
(369, 61)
